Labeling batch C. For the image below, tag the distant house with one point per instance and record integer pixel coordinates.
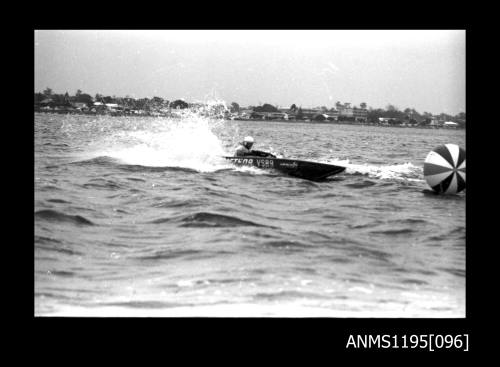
(277, 116)
(258, 115)
(310, 113)
(79, 105)
(47, 102)
(385, 120)
(320, 117)
(435, 121)
(450, 124)
(107, 106)
(332, 115)
(244, 113)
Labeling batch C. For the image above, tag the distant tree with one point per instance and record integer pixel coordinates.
(98, 97)
(363, 105)
(47, 92)
(293, 107)
(393, 112)
(108, 99)
(235, 107)
(157, 100)
(39, 97)
(338, 105)
(266, 108)
(78, 93)
(179, 104)
(58, 99)
(84, 98)
(374, 114)
(143, 104)
(300, 114)
(460, 119)
(66, 100)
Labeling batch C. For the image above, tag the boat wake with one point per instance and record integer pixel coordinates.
(186, 140)
(404, 171)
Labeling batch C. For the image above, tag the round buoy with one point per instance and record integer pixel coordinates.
(444, 169)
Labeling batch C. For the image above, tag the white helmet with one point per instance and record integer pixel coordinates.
(248, 139)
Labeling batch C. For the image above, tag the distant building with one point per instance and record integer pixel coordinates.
(346, 111)
(385, 120)
(436, 121)
(107, 106)
(309, 113)
(450, 124)
(277, 116)
(79, 105)
(47, 103)
(360, 114)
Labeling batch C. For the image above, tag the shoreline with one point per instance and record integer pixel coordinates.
(156, 115)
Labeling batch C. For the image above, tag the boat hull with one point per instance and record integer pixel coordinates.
(293, 167)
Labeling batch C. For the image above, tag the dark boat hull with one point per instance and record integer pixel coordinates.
(292, 167)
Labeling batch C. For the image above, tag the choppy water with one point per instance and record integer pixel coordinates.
(141, 216)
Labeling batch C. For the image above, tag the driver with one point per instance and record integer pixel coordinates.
(245, 148)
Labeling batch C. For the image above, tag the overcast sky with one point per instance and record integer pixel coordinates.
(420, 69)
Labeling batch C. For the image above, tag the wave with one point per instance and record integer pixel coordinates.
(99, 161)
(394, 231)
(101, 183)
(57, 144)
(177, 203)
(204, 219)
(169, 254)
(361, 185)
(412, 221)
(379, 255)
(53, 245)
(294, 246)
(413, 281)
(55, 216)
(59, 201)
(457, 196)
(107, 161)
(139, 168)
(454, 271)
(144, 304)
(42, 239)
(288, 295)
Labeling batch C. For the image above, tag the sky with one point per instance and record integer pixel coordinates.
(421, 69)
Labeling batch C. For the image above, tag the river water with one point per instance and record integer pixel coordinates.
(139, 216)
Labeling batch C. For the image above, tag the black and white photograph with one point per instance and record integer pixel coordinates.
(240, 173)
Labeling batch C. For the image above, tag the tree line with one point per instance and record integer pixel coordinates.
(391, 112)
(66, 100)
(394, 115)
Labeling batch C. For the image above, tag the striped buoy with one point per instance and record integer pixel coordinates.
(444, 169)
